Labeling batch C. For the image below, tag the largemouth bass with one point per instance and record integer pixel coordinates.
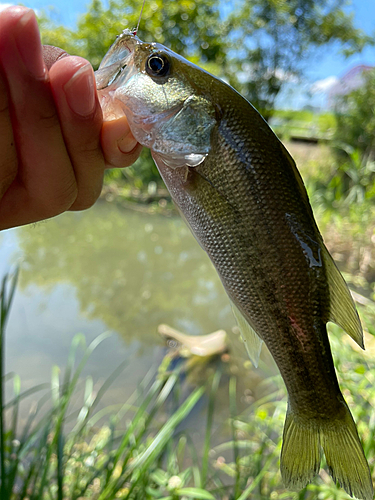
(244, 200)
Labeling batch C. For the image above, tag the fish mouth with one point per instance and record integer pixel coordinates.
(117, 59)
(107, 75)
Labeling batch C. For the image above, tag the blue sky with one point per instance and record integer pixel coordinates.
(330, 62)
(327, 63)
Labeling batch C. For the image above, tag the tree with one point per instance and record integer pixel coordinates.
(193, 29)
(274, 39)
(355, 142)
(256, 45)
(356, 118)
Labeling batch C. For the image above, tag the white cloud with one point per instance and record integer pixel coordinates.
(324, 85)
(5, 5)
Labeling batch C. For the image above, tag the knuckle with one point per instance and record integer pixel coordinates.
(87, 199)
(49, 119)
(123, 160)
(90, 150)
(8, 174)
(58, 202)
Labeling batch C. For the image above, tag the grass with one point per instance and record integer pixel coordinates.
(303, 124)
(135, 450)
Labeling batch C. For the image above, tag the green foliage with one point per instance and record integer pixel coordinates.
(353, 178)
(291, 114)
(57, 35)
(275, 38)
(193, 29)
(302, 124)
(44, 462)
(142, 176)
(327, 122)
(356, 118)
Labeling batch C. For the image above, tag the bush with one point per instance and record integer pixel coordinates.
(354, 143)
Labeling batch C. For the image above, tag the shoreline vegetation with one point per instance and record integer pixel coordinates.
(143, 448)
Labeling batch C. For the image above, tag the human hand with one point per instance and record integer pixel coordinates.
(54, 146)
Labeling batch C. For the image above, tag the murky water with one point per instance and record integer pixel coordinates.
(107, 269)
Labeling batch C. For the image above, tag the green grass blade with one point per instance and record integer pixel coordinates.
(13, 460)
(198, 493)
(78, 341)
(5, 305)
(166, 431)
(233, 415)
(25, 394)
(114, 375)
(60, 468)
(247, 492)
(210, 417)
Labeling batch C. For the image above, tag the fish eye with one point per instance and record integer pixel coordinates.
(157, 65)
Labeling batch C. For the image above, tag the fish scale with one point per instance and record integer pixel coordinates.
(270, 321)
(244, 200)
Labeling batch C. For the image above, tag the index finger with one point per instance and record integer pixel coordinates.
(52, 54)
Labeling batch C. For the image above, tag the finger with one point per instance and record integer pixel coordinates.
(74, 90)
(8, 158)
(45, 183)
(120, 149)
(52, 54)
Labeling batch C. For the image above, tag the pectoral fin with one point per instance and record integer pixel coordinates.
(342, 310)
(250, 338)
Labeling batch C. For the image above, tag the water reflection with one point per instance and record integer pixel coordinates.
(128, 270)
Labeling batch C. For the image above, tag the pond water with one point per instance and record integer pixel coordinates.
(109, 269)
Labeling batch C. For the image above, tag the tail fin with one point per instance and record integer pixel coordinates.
(345, 458)
(301, 453)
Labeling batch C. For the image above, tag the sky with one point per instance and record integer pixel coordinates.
(323, 70)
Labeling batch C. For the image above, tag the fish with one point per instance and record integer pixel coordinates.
(240, 192)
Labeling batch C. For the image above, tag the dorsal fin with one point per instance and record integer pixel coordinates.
(249, 336)
(342, 310)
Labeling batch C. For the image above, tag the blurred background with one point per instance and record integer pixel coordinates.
(130, 263)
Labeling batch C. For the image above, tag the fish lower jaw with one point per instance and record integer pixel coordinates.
(177, 161)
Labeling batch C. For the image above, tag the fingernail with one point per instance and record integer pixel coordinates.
(127, 143)
(29, 47)
(80, 91)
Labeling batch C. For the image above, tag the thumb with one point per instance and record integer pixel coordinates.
(119, 147)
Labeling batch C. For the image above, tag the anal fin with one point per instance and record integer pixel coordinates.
(250, 338)
(342, 310)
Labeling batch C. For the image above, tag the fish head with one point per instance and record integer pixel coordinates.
(164, 97)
